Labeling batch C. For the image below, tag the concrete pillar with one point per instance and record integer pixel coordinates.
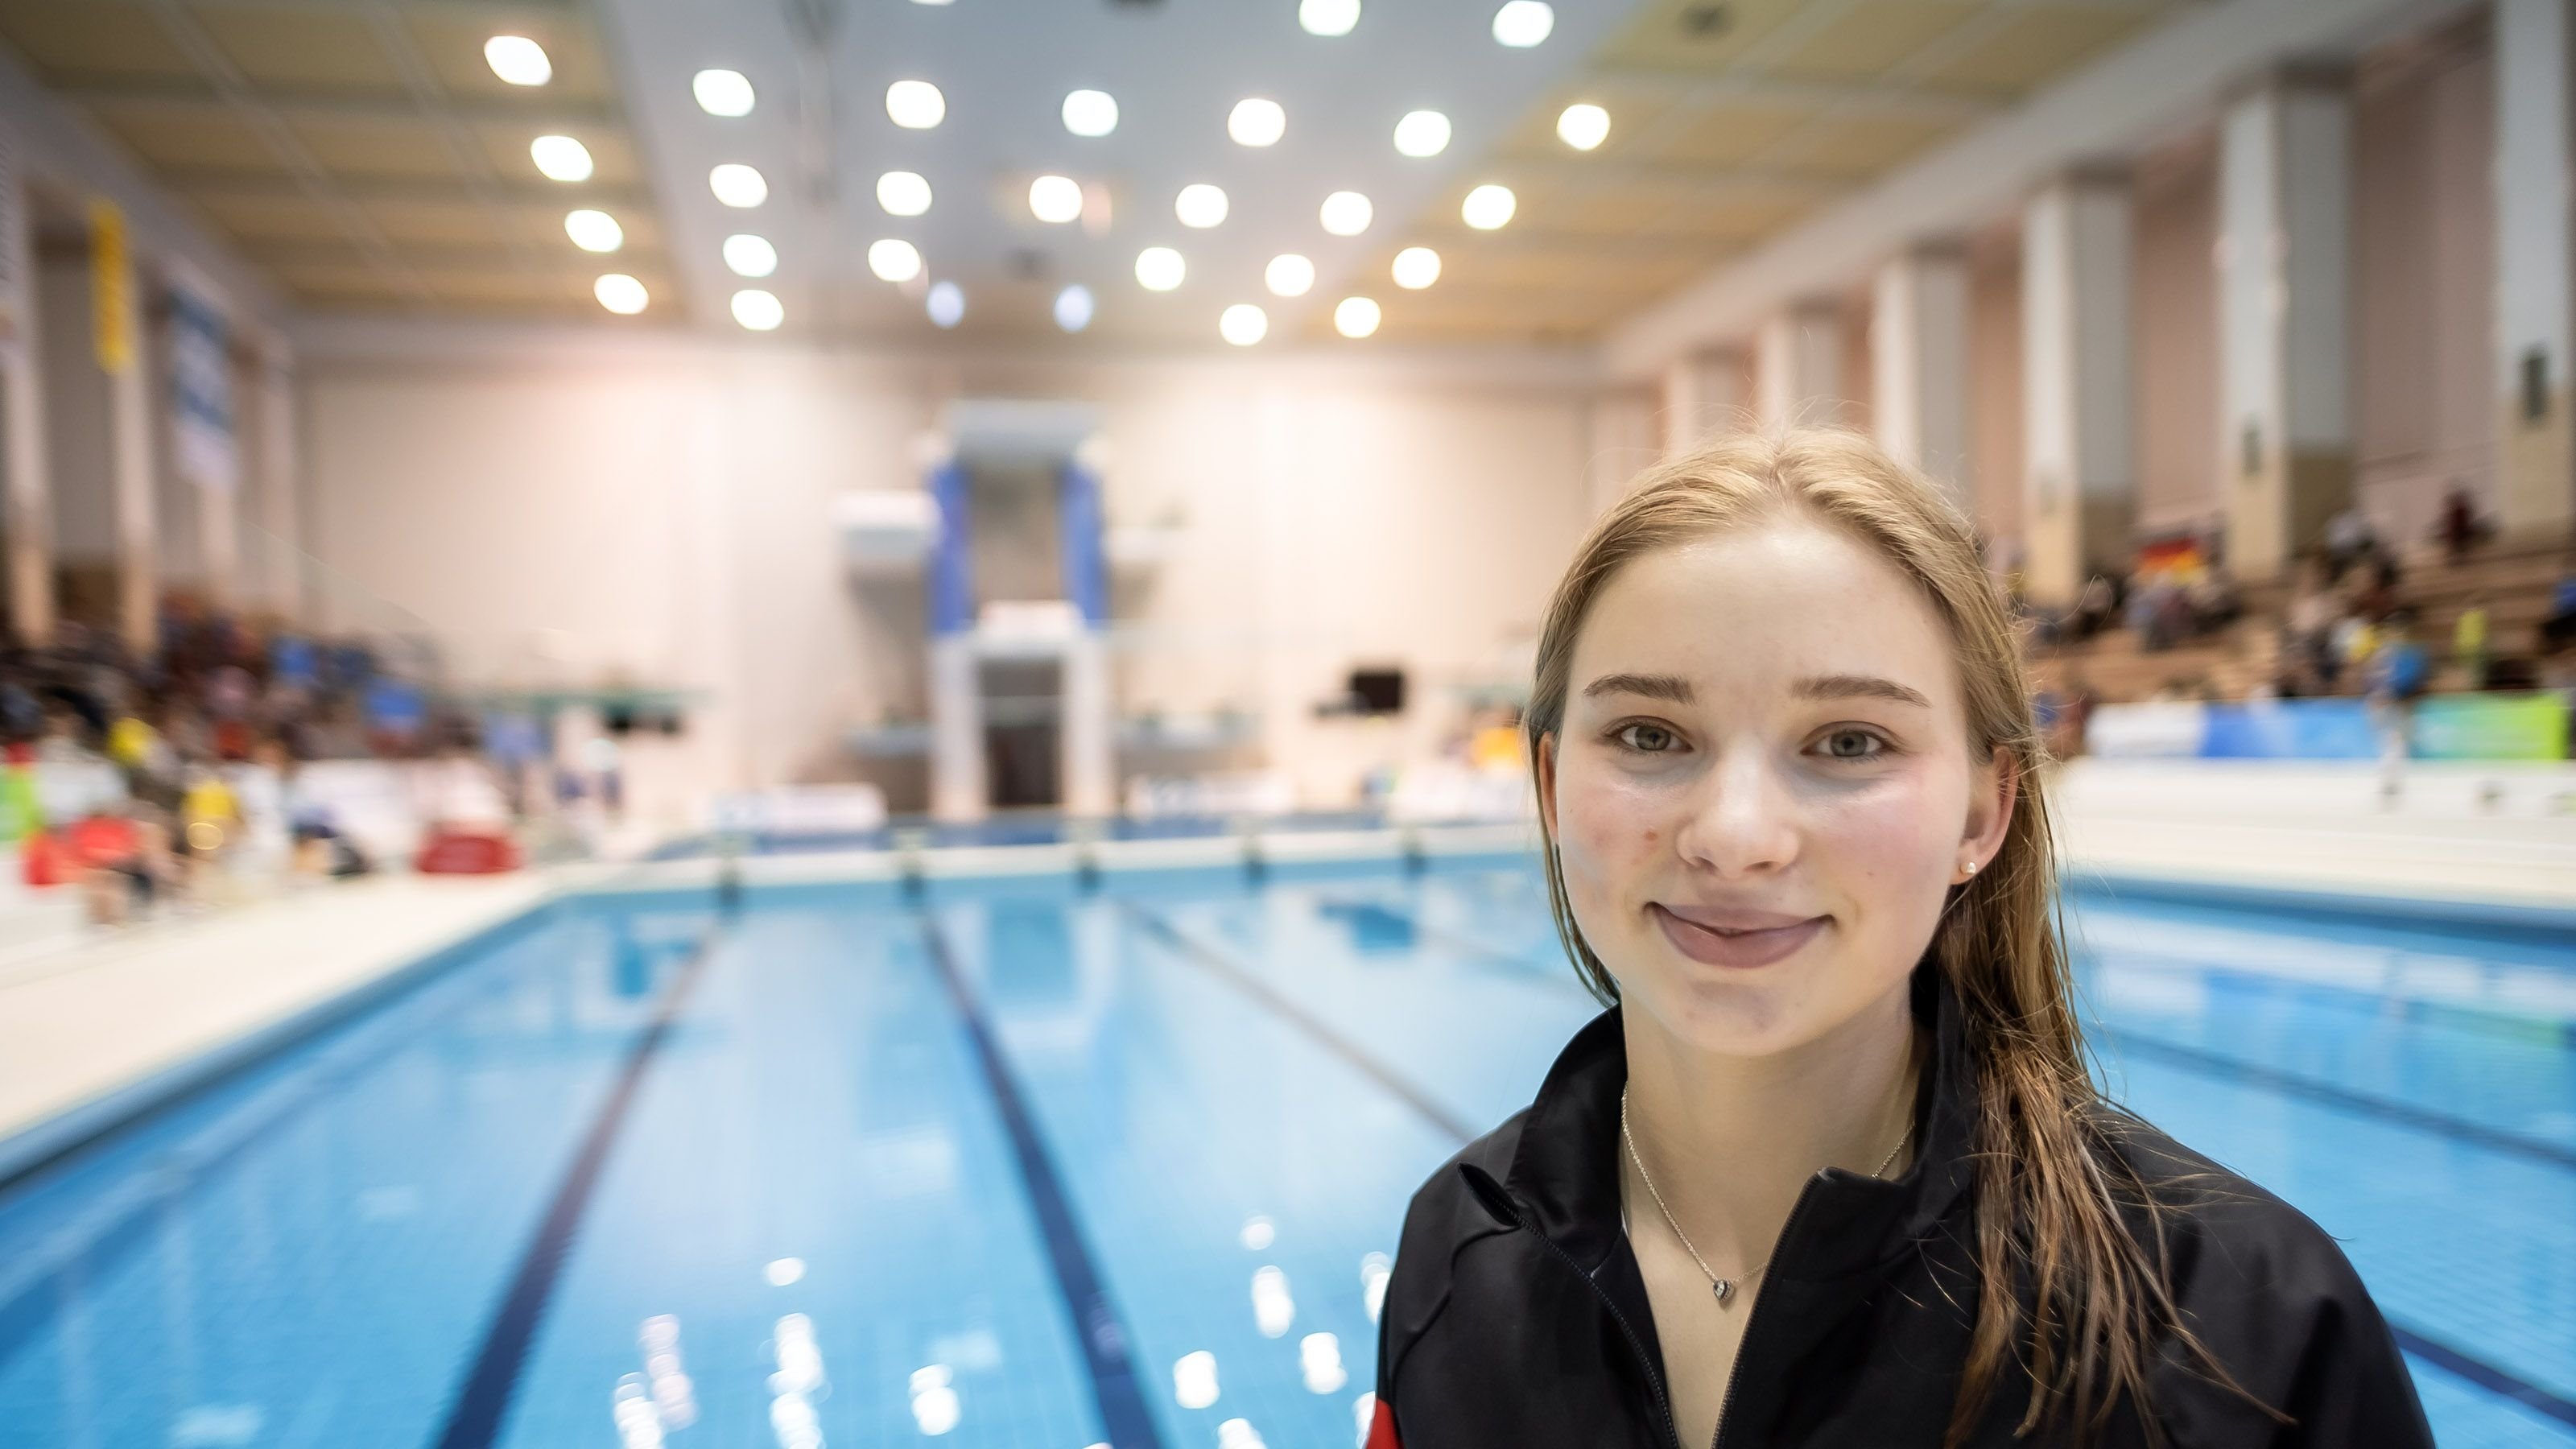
(1919, 364)
(2284, 317)
(1705, 393)
(1798, 367)
(28, 488)
(1626, 439)
(2079, 460)
(2535, 294)
(276, 515)
(133, 455)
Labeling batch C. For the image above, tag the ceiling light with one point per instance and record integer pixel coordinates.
(1055, 198)
(1200, 205)
(758, 310)
(946, 303)
(1257, 122)
(1073, 308)
(1488, 207)
(1416, 268)
(1523, 23)
(1422, 133)
(1090, 113)
(1243, 324)
(903, 193)
(722, 92)
(915, 105)
(620, 293)
(1160, 269)
(753, 256)
(1289, 276)
(518, 60)
(1328, 18)
(738, 185)
(1356, 317)
(1347, 213)
(561, 158)
(594, 231)
(894, 261)
(1583, 127)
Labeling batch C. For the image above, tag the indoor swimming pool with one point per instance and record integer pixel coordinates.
(1020, 1163)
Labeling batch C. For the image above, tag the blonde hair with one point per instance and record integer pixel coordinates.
(2050, 1186)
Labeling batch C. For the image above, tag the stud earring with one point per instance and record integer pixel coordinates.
(1972, 867)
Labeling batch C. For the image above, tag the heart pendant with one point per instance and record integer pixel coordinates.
(1722, 1288)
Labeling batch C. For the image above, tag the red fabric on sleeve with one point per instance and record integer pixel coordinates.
(1382, 1428)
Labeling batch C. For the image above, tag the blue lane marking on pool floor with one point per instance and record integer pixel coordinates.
(1097, 1328)
(474, 1421)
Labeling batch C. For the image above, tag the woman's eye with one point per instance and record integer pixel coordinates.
(1645, 739)
(1854, 745)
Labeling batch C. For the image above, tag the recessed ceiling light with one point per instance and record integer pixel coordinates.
(1090, 113)
(1328, 18)
(1422, 133)
(1073, 308)
(1243, 324)
(1416, 268)
(1583, 127)
(1055, 199)
(903, 193)
(893, 260)
(1488, 207)
(915, 105)
(1160, 269)
(518, 60)
(620, 293)
(561, 158)
(594, 231)
(722, 92)
(1200, 205)
(738, 185)
(758, 310)
(1347, 213)
(749, 255)
(1289, 275)
(946, 303)
(1256, 122)
(1521, 24)
(1356, 317)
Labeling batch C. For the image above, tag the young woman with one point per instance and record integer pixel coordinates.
(1831, 1170)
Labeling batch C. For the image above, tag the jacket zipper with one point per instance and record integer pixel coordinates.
(1726, 1405)
(1636, 1345)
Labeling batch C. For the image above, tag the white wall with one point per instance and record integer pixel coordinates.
(664, 514)
(2179, 439)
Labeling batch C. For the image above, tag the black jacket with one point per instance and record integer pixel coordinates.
(1516, 1315)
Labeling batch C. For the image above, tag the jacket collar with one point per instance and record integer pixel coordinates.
(1565, 1169)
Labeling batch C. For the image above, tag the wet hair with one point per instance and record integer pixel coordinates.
(2070, 1295)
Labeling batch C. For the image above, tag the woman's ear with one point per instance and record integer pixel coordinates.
(1545, 761)
(1994, 788)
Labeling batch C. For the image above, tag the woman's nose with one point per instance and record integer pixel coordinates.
(1741, 818)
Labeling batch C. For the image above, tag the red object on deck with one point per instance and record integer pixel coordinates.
(42, 855)
(447, 850)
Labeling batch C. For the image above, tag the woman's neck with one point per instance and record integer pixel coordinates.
(1730, 1141)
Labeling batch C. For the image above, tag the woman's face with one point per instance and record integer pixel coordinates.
(1762, 789)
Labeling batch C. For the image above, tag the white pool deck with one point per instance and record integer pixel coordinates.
(96, 1025)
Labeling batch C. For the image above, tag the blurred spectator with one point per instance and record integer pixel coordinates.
(2560, 625)
(2348, 537)
(2469, 643)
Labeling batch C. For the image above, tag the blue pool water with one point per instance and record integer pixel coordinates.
(1024, 1165)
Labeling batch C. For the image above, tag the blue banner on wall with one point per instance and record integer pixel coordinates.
(2292, 729)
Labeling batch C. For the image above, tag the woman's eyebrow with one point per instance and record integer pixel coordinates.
(1653, 686)
(1846, 686)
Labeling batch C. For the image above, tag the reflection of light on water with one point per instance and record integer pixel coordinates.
(1272, 1309)
(1238, 1434)
(208, 1426)
(1258, 1233)
(784, 1271)
(934, 1402)
(975, 1349)
(1320, 1354)
(1373, 1274)
(661, 1398)
(1194, 1380)
(639, 1423)
(800, 1372)
(1364, 1409)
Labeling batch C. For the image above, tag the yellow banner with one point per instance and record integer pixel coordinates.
(111, 286)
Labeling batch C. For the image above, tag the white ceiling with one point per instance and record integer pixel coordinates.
(821, 135)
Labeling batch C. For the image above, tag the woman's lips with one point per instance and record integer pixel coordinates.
(1742, 950)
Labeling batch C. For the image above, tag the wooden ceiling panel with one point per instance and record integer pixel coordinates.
(2039, 45)
(1705, 36)
(276, 215)
(1864, 41)
(1865, 145)
(303, 48)
(371, 148)
(93, 40)
(436, 223)
(188, 137)
(1728, 133)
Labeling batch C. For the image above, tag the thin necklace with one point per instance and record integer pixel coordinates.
(1724, 1288)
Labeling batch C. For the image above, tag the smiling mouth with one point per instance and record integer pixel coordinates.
(1738, 948)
